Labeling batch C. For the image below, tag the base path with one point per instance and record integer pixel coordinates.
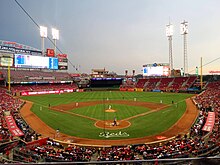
(182, 126)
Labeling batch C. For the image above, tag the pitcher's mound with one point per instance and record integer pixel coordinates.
(109, 124)
(110, 110)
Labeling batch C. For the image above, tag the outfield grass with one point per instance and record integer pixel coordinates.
(122, 111)
(150, 124)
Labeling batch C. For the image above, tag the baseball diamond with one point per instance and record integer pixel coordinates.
(103, 123)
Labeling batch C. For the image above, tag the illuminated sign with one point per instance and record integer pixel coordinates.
(156, 69)
(46, 92)
(29, 61)
(18, 50)
(50, 52)
(214, 72)
(6, 59)
(62, 61)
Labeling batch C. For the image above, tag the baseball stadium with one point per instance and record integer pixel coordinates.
(51, 115)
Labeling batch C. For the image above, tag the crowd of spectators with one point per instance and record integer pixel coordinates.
(10, 105)
(43, 87)
(18, 75)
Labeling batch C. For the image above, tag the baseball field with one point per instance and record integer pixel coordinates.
(110, 117)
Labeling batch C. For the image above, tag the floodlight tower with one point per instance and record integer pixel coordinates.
(43, 34)
(55, 35)
(169, 34)
(184, 32)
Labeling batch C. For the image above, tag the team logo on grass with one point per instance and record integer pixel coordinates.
(113, 134)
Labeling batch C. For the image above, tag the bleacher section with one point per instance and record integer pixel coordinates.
(173, 84)
(151, 84)
(42, 87)
(38, 81)
(9, 106)
(164, 84)
(141, 83)
(128, 85)
(36, 75)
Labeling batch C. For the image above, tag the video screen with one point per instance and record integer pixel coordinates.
(156, 70)
(29, 61)
(6, 61)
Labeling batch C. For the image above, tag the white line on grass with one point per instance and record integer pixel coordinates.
(53, 113)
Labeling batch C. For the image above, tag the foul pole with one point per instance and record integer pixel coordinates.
(201, 84)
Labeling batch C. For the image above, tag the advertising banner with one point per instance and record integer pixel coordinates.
(47, 92)
(12, 126)
(210, 121)
(62, 61)
(39, 142)
(50, 53)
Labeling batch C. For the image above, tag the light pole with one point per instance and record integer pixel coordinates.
(43, 34)
(184, 32)
(169, 34)
(55, 35)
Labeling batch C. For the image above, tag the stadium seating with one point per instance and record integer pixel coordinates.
(151, 84)
(165, 83)
(42, 87)
(178, 83)
(189, 83)
(173, 84)
(141, 83)
(36, 75)
(197, 143)
(8, 105)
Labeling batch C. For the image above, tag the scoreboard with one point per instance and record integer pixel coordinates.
(30, 61)
(6, 59)
(62, 61)
(156, 69)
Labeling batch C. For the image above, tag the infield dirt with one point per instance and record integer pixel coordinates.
(182, 126)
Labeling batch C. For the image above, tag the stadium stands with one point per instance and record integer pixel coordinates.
(151, 84)
(141, 83)
(127, 85)
(200, 141)
(178, 83)
(42, 87)
(173, 84)
(164, 83)
(36, 75)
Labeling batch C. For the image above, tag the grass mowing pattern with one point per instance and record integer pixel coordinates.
(150, 124)
(98, 111)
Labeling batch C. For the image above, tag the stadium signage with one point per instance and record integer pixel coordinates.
(62, 61)
(213, 72)
(16, 50)
(62, 55)
(100, 78)
(210, 121)
(50, 52)
(15, 131)
(46, 92)
(113, 134)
